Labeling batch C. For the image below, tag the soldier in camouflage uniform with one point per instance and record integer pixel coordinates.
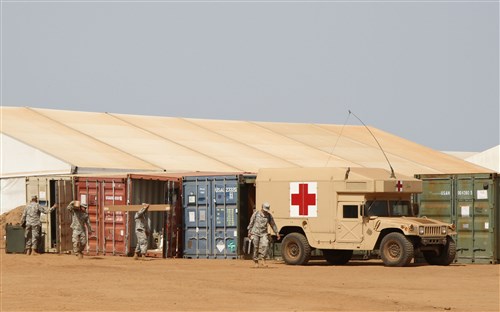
(141, 232)
(32, 225)
(257, 232)
(79, 220)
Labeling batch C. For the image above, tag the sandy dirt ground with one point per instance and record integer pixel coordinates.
(52, 282)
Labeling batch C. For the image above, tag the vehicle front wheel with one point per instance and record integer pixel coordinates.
(446, 255)
(295, 249)
(396, 250)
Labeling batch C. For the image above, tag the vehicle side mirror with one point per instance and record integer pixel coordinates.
(415, 209)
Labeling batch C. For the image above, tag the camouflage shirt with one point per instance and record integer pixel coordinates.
(141, 223)
(258, 223)
(79, 218)
(31, 213)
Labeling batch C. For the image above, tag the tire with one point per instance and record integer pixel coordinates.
(295, 249)
(446, 255)
(396, 250)
(337, 257)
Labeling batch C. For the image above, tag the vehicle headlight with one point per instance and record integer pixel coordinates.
(421, 230)
(444, 230)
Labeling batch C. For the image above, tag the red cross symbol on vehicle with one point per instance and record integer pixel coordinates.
(399, 186)
(303, 199)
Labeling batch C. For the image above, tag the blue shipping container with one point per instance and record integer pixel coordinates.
(213, 212)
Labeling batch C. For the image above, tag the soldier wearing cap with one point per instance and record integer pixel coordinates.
(30, 220)
(79, 220)
(141, 232)
(257, 232)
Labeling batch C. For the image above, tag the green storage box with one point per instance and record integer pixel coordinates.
(14, 241)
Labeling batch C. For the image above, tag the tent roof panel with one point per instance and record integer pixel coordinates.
(117, 141)
(63, 142)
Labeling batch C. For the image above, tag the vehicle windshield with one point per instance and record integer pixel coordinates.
(388, 208)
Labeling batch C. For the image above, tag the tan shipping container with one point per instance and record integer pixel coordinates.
(56, 232)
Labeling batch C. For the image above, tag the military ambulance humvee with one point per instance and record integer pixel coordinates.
(339, 210)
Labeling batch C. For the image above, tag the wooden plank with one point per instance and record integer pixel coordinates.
(156, 207)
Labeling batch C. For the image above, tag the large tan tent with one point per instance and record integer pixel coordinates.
(44, 141)
(58, 144)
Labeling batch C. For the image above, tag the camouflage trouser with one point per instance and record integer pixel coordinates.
(79, 241)
(142, 242)
(31, 234)
(260, 246)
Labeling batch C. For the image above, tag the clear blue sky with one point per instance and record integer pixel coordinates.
(427, 71)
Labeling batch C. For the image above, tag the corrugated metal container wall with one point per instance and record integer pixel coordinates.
(471, 202)
(160, 190)
(111, 229)
(115, 230)
(216, 213)
(56, 232)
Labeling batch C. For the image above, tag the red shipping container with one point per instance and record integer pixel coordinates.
(114, 231)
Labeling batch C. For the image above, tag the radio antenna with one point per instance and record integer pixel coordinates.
(392, 170)
(338, 138)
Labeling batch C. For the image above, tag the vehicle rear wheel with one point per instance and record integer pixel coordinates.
(295, 249)
(446, 255)
(337, 257)
(396, 250)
